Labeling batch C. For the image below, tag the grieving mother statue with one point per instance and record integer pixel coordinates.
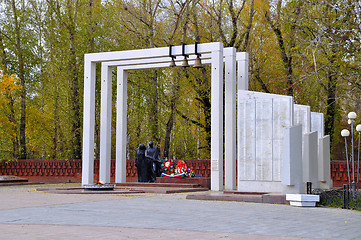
(143, 165)
(152, 155)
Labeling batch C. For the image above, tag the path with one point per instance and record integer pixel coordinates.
(28, 214)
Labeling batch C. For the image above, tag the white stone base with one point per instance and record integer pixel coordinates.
(259, 186)
(302, 200)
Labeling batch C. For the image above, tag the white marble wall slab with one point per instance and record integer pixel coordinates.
(282, 118)
(310, 159)
(244, 94)
(302, 115)
(261, 121)
(324, 168)
(246, 139)
(317, 123)
(292, 174)
(264, 137)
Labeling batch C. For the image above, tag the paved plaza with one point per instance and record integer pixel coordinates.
(29, 214)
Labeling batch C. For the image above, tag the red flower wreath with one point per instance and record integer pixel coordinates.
(181, 167)
(168, 166)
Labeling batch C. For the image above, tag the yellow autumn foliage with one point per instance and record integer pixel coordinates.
(9, 88)
(8, 84)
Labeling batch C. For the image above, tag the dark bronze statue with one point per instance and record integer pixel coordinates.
(152, 155)
(143, 164)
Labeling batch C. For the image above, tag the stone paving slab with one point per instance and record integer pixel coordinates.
(13, 231)
(39, 215)
(16, 197)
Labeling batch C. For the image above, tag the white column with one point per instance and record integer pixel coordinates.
(121, 135)
(105, 123)
(230, 118)
(217, 119)
(242, 84)
(242, 74)
(88, 122)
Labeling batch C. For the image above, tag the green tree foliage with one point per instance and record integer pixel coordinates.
(307, 49)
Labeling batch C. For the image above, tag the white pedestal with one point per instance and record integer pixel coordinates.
(302, 200)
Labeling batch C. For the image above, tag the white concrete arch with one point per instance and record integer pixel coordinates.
(212, 53)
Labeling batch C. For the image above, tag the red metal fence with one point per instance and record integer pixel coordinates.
(70, 170)
(53, 171)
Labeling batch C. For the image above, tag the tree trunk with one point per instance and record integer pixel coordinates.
(206, 102)
(12, 120)
(332, 107)
(168, 133)
(154, 108)
(170, 123)
(97, 124)
(248, 27)
(4, 61)
(91, 26)
(287, 60)
(56, 124)
(153, 115)
(91, 49)
(73, 66)
(22, 82)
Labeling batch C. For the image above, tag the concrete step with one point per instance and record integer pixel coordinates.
(158, 185)
(12, 179)
(201, 181)
(274, 198)
(243, 193)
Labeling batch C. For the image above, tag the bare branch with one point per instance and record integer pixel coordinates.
(139, 18)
